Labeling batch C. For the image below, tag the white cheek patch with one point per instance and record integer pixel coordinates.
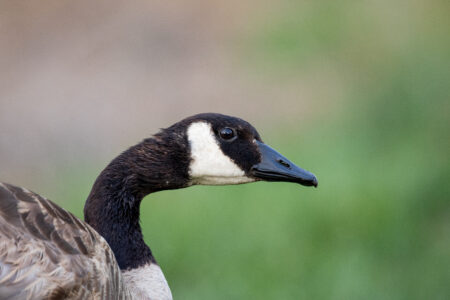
(209, 165)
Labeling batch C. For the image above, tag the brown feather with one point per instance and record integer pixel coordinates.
(47, 253)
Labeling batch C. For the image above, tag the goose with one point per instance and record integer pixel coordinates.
(48, 253)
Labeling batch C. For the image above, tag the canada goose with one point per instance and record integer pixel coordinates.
(47, 253)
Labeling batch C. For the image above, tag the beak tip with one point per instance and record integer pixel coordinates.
(312, 182)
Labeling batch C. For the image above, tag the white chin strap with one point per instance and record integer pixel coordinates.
(209, 165)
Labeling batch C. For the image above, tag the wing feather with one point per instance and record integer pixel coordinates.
(48, 253)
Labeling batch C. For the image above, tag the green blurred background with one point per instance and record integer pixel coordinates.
(355, 91)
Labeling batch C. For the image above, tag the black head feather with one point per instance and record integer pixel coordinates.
(242, 150)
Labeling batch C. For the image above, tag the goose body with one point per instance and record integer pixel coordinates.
(48, 253)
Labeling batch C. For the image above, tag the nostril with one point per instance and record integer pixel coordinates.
(284, 163)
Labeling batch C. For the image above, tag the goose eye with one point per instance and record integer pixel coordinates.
(227, 133)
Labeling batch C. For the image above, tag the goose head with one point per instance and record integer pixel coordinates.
(225, 150)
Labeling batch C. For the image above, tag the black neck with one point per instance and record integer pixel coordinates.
(112, 207)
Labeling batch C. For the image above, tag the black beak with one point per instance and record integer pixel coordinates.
(275, 167)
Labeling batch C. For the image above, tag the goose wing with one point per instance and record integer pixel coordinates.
(48, 253)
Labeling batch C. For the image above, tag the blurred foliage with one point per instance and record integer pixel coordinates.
(378, 226)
